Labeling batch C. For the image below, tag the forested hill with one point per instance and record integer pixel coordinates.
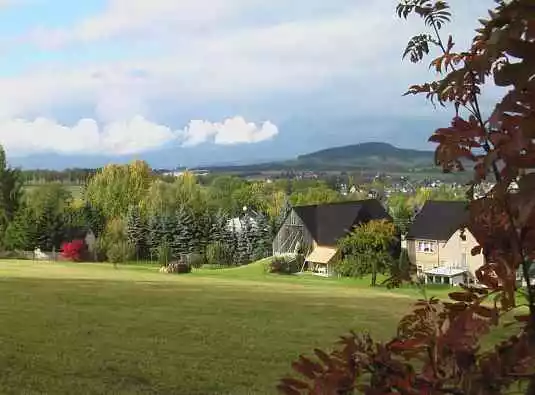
(367, 153)
(371, 156)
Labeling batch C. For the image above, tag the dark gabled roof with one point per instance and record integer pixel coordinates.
(329, 222)
(439, 220)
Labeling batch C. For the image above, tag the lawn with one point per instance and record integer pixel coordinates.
(92, 329)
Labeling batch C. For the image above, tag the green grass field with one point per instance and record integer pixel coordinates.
(92, 329)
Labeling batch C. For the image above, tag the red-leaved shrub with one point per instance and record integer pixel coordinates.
(73, 250)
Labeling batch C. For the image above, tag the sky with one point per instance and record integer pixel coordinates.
(192, 82)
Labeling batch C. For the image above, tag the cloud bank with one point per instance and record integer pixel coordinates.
(137, 135)
(123, 77)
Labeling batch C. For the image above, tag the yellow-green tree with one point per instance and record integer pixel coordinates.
(117, 187)
(164, 197)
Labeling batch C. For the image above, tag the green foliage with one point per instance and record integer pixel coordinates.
(154, 235)
(115, 188)
(114, 242)
(195, 260)
(135, 231)
(120, 252)
(315, 195)
(95, 219)
(163, 197)
(263, 239)
(218, 228)
(368, 249)
(10, 192)
(283, 265)
(221, 194)
(184, 237)
(218, 254)
(164, 253)
(20, 233)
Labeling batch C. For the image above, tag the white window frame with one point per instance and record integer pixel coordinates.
(425, 246)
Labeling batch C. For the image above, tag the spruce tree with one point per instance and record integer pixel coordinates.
(50, 232)
(231, 241)
(263, 239)
(21, 233)
(154, 233)
(218, 229)
(242, 248)
(183, 242)
(250, 236)
(135, 230)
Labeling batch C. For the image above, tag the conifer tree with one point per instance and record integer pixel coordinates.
(231, 241)
(49, 229)
(263, 239)
(135, 230)
(154, 233)
(218, 229)
(182, 243)
(20, 233)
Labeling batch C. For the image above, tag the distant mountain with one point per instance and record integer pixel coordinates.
(374, 156)
(369, 155)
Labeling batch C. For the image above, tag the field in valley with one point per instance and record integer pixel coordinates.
(92, 329)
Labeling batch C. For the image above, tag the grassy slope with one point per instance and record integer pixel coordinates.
(91, 329)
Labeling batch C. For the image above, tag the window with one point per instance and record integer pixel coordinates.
(426, 246)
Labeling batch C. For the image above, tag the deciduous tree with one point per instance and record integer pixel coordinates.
(368, 249)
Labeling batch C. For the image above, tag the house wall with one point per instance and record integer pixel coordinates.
(452, 253)
(292, 232)
(425, 260)
(454, 250)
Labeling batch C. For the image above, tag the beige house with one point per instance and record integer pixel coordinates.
(436, 245)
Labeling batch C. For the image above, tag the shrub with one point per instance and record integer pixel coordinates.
(73, 250)
(196, 260)
(120, 252)
(283, 265)
(176, 267)
(164, 253)
(101, 248)
(218, 253)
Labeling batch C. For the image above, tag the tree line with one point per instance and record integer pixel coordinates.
(136, 214)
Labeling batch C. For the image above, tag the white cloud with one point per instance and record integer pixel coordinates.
(137, 135)
(353, 49)
(232, 131)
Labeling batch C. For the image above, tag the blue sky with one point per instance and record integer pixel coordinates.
(199, 81)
